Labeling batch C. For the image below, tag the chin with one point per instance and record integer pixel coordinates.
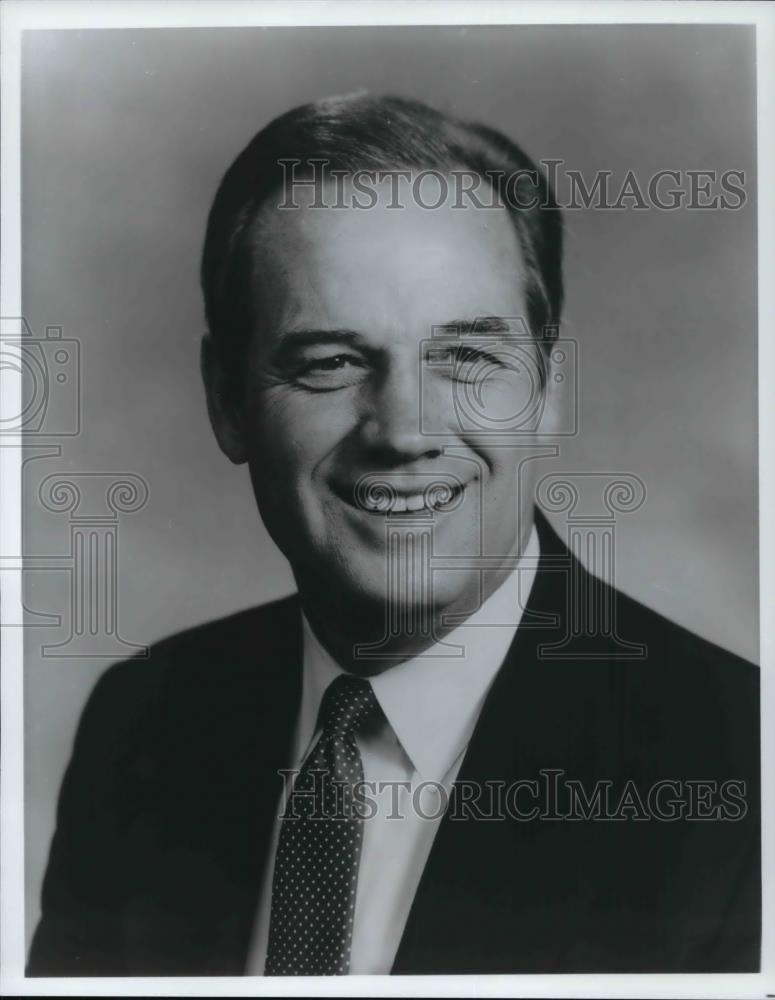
(347, 572)
(370, 590)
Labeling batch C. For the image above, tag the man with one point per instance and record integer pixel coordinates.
(214, 818)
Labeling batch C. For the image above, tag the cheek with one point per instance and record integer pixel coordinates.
(512, 470)
(510, 403)
(293, 432)
(493, 402)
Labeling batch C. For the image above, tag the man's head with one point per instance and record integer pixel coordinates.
(347, 330)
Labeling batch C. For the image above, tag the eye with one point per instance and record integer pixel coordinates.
(336, 363)
(465, 357)
(328, 372)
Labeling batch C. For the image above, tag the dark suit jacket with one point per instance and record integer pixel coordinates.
(166, 809)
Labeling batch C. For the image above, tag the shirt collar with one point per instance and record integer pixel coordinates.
(432, 701)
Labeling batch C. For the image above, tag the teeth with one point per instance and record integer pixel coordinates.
(415, 503)
(437, 500)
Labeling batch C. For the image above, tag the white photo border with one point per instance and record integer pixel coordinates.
(17, 16)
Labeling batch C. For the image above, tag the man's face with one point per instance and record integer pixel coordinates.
(351, 382)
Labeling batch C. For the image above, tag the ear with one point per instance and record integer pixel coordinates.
(226, 416)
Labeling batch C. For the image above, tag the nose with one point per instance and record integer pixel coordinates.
(391, 428)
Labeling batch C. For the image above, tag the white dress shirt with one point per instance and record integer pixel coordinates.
(431, 704)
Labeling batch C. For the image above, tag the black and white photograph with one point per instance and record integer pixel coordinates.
(385, 499)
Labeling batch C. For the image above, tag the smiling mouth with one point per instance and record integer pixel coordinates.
(382, 498)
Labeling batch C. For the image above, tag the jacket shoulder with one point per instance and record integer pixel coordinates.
(602, 610)
(196, 662)
(665, 638)
(232, 633)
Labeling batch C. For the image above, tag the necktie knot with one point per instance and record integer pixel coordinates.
(347, 704)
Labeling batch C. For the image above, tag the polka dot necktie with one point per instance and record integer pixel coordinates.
(316, 866)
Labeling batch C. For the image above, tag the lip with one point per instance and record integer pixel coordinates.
(387, 496)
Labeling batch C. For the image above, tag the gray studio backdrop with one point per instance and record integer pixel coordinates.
(125, 137)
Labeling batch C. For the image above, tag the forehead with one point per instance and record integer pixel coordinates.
(384, 269)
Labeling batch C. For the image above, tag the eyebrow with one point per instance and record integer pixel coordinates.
(474, 327)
